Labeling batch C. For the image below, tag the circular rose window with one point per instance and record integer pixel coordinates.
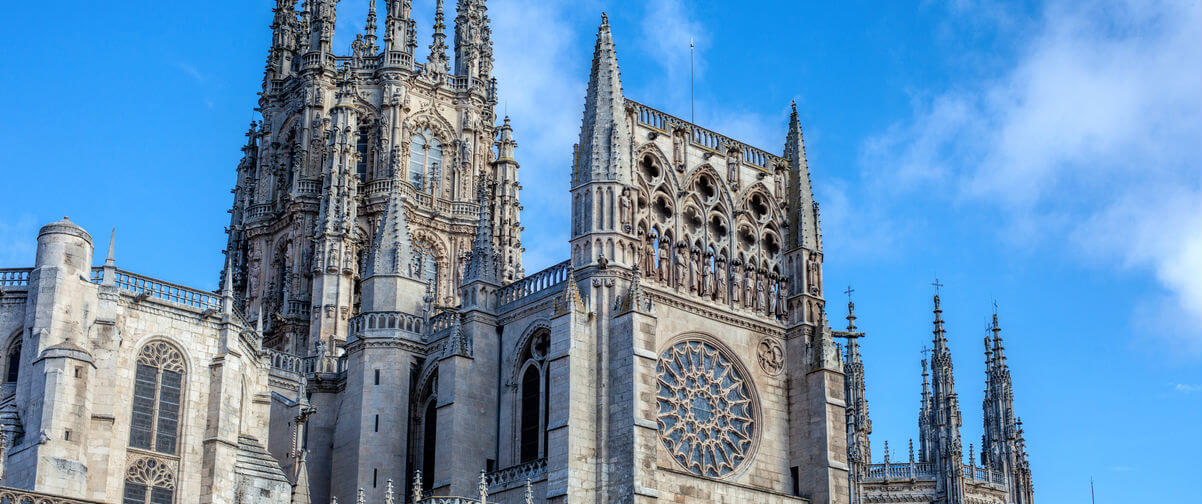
(706, 418)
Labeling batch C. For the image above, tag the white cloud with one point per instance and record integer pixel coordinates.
(1093, 137)
(1186, 388)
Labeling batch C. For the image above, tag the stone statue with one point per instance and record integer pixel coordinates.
(665, 263)
(624, 205)
(693, 277)
(707, 278)
(681, 267)
(720, 280)
(678, 150)
(736, 288)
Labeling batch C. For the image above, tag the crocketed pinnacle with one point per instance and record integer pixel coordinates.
(605, 130)
(482, 265)
(393, 250)
(439, 63)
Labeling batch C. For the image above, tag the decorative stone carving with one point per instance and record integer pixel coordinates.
(772, 356)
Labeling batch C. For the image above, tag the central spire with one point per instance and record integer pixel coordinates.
(604, 151)
(439, 64)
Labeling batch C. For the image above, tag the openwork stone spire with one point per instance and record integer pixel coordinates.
(604, 149)
(482, 265)
(438, 64)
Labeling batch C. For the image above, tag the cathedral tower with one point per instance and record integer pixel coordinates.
(339, 136)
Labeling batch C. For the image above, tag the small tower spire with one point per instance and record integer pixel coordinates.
(603, 153)
(438, 64)
(369, 31)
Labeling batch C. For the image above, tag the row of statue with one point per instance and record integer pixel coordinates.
(706, 275)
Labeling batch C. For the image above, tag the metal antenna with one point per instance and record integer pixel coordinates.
(1091, 497)
(692, 96)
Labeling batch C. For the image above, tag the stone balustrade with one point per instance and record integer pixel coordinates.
(537, 282)
(515, 476)
(158, 289)
(15, 496)
(285, 361)
(926, 471)
(383, 187)
(387, 320)
(702, 137)
(14, 277)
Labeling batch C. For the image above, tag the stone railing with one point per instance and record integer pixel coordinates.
(324, 364)
(900, 471)
(457, 208)
(14, 277)
(702, 137)
(297, 308)
(165, 291)
(448, 500)
(984, 475)
(540, 281)
(308, 186)
(14, 496)
(517, 475)
(443, 321)
(258, 211)
(285, 361)
(387, 320)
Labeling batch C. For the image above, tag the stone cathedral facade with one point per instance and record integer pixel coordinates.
(376, 339)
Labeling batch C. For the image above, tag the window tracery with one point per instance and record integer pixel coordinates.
(533, 397)
(705, 412)
(425, 162)
(158, 397)
(149, 481)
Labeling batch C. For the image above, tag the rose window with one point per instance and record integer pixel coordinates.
(705, 409)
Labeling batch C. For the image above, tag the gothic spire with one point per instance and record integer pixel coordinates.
(803, 212)
(473, 41)
(482, 265)
(393, 250)
(397, 31)
(505, 142)
(369, 31)
(604, 150)
(438, 64)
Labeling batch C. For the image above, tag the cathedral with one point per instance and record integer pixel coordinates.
(375, 337)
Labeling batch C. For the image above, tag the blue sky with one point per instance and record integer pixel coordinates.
(1044, 154)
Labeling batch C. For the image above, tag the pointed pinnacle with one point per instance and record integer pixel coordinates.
(110, 260)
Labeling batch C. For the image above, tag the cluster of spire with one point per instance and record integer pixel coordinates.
(1003, 449)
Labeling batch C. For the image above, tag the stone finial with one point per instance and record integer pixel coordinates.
(483, 487)
(886, 453)
(387, 488)
(111, 261)
(911, 450)
(529, 492)
(417, 486)
(359, 499)
(438, 63)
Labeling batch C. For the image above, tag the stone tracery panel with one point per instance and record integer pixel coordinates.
(706, 412)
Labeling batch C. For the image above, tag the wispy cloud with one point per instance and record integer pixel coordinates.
(1186, 388)
(190, 69)
(1091, 138)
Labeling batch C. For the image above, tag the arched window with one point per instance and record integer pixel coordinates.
(429, 440)
(158, 395)
(530, 417)
(361, 148)
(149, 481)
(425, 162)
(13, 361)
(533, 398)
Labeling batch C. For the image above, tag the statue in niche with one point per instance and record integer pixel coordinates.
(693, 278)
(782, 293)
(732, 169)
(678, 150)
(748, 287)
(779, 181)
(707, 277)
(665, 261)
(736, 287)
(624, 210)
(252, 281)
(648, 253)
(681, 267)
(720, 280)
(772, 296)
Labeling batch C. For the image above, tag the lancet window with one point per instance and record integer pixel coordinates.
(158, 397)
(12, 361)
(425, 162)
(534, 397)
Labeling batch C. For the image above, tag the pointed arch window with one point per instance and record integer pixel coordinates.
(534, 398)
(158, 398)
(149, 481)
(425, 162)
(361, 148)
(429, 441)
(12, 361)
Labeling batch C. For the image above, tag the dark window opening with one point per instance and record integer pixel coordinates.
(14, 363)
(429, 440)
(530, 417)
